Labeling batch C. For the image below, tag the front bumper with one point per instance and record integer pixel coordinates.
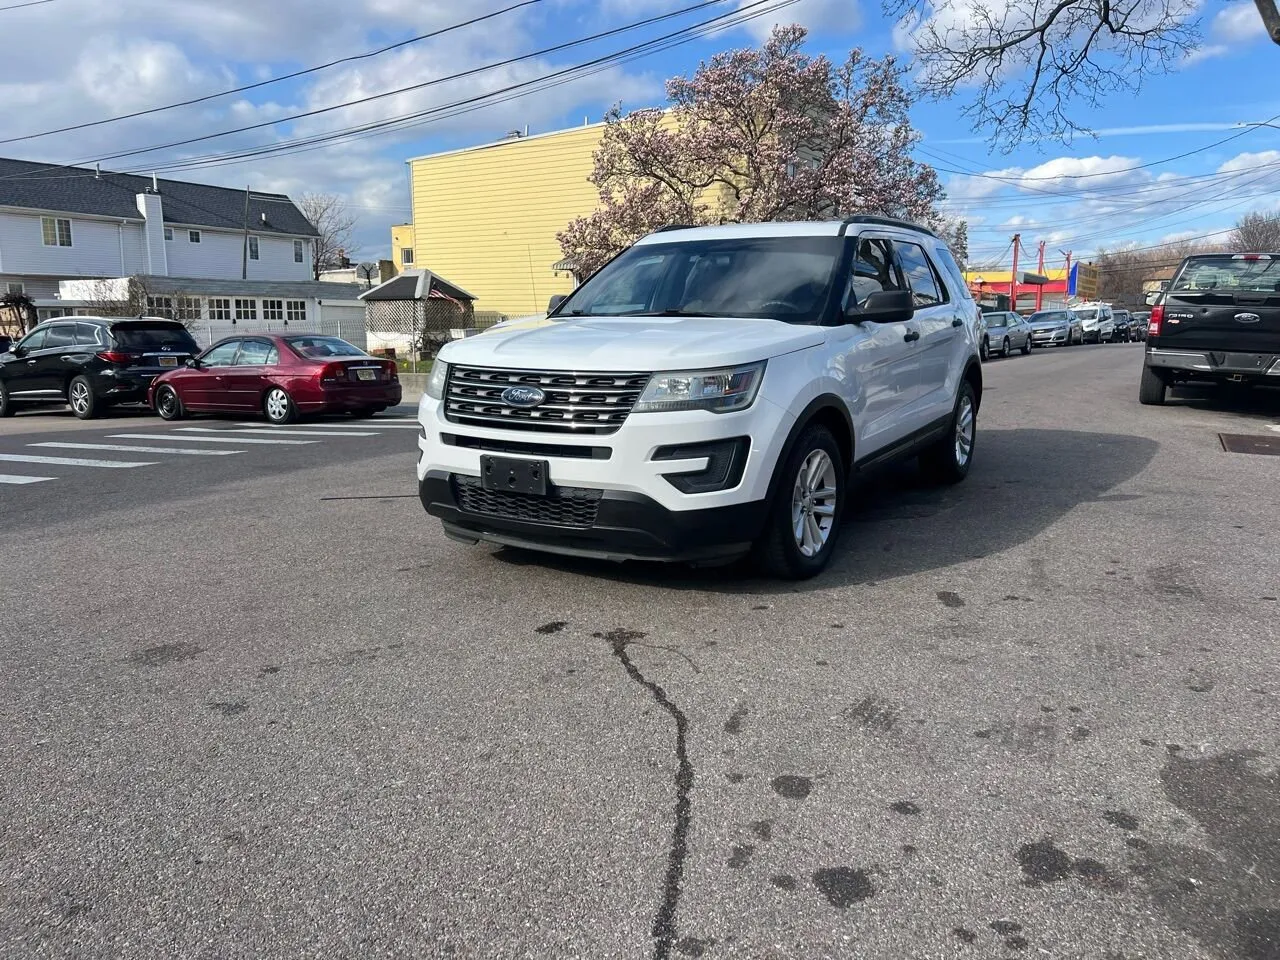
(626, 526)
(1049, 336)
(1215, 364)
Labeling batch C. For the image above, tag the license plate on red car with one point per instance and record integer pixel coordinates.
(366, 374)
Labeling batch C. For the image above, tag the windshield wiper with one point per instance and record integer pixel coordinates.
(665, 313)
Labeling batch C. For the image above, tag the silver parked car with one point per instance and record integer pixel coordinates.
(1006, 332)
(1058, 327)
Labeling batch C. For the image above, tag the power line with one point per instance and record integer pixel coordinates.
(19, 6)
(515, 91)
(263, 83)
(419, 86)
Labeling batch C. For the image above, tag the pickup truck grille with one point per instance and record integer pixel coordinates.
(575, 402)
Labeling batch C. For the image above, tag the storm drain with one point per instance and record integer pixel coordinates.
(1249, 443)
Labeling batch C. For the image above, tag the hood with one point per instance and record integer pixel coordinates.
(1049, 324)
(640, 344)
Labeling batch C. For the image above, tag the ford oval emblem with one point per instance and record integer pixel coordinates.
(1247, 318)
(523, 397)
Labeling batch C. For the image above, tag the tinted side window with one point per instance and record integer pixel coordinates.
(254, 352)
(34, 340)
(952, 269)
(87, 335)
(872, 271)
(920, 274)
(60, 335)
(223, 355)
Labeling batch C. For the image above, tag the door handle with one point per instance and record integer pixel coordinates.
(911, 337)
(31, 363)
(957, 322)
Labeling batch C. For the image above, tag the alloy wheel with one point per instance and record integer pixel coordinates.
(79, 397)
(813, 503)
(277, 404)
(964, 431)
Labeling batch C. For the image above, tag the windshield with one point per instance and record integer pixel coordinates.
(1048, 317)
(783, 278)
(314, 348)
(142, 336)
(1086, 314)
(1229, 275)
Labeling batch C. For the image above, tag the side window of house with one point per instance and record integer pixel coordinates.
(925, 288)
(872, 271)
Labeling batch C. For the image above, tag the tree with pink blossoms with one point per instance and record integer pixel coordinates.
(755, 135)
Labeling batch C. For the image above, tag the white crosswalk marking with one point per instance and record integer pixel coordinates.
(187, 438)
(277, 431)
(14, 478)
(73, 461)
(187, 451)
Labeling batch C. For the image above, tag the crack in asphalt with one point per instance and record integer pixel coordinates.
(664, 921)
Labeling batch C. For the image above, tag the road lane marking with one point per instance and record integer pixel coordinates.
(276, 431)
(189, 439)
(187, 451)
(14, 478)
(364, 425)
(73, 461)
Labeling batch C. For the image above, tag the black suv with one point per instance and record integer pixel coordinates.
(1218, 320)
(91, 362)
(1123, 332)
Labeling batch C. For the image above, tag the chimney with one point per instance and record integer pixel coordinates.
(155, 184)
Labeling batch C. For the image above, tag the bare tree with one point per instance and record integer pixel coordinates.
(1122, 272)
(1026, 64)
(1257, 232)
(17, 314)
(330, 215)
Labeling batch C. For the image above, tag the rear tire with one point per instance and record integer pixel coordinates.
(278, 407)
(984, 351)
(948, 460)
(80, 395)
(6, 405)
(806, 500)
(169, 404)
(1152, 388)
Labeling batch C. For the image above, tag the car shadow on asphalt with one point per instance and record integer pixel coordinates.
(1022, 481)
(1259, 401)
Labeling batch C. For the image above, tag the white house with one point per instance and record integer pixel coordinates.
(76, 223)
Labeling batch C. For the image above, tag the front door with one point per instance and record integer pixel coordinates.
(247, 377)
(54, 362)
(879, 361)
(205, 388)
(20, 365)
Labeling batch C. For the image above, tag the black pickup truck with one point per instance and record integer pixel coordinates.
(1219, 320)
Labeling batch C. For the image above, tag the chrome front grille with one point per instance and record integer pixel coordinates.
(575, 402)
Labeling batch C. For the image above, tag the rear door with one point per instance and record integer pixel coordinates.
(55, 361)
(1224, 304)
(935, 318)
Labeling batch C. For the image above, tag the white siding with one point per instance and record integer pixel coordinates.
(218, 256)
(94, 251)
(37, 288)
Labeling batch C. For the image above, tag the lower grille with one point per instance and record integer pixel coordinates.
(563, 507)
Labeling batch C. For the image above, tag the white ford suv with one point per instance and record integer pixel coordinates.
(708, 394)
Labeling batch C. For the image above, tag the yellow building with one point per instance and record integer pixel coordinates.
(487, 217)
(402, 247)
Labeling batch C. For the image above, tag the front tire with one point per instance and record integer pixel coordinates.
(1004, 348)
(80, 395)
(278, 407)
(1152, 388)
(949, 459)
(807, 507)
(984, 351)
(168, 404)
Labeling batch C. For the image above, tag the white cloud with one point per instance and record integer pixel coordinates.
(1250, 162)
(1209, 51)
(1239, 22)
(825, 16)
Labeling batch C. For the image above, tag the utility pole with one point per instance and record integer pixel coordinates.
(1013, 275)
(1040, 287)
(244, 252)
(1067, 254)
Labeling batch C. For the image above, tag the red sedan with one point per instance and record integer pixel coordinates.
(281, 376)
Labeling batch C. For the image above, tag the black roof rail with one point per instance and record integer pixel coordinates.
(674, 226)
(884, 222)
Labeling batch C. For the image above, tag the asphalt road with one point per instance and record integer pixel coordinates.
(1034, 715)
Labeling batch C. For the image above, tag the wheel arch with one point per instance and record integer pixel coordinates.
(973, 374)
(830, 411)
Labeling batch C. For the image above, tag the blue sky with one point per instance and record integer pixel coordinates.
(131, 55)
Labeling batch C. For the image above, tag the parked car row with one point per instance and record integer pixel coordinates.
(1090, 323)
(94, 363)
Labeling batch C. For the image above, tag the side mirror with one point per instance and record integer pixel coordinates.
(192, 362)
(884, 306)
(555, 301)
(17, 351)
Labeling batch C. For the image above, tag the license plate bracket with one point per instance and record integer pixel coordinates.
(365, 373)
(168, 361)
(509, 475)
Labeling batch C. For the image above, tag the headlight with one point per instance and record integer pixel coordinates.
(435, 384)
(720, 391)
